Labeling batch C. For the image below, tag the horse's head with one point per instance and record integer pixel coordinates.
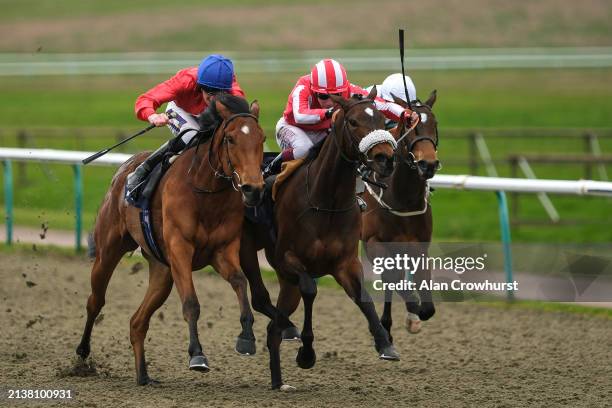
(241, 145)
(364, 127)
(418, 147)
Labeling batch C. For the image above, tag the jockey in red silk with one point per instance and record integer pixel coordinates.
(188, 94)
(307, 117)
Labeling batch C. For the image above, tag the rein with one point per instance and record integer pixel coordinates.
(410, 160)
(218, 171)
(344, 157)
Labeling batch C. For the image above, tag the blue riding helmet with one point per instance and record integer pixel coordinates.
(216, 71)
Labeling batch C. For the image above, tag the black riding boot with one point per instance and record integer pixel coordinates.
(274, 167)
(135, 178)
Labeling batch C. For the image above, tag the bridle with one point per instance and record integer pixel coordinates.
(410, 159)
(233, 177)
(412, 163)
(362, 157)
(362, 160)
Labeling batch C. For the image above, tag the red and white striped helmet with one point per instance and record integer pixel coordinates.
(328, 76)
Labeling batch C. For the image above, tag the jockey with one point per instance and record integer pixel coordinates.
(307, 116)
(188, 94)
(394, 85)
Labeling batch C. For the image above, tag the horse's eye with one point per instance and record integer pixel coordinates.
(230, 140)
(353, 122)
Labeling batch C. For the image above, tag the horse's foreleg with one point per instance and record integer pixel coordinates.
(226, 263)
(287, 302)
(306, 356)
(160, 286)
(260, 297)
(350, 278)
(107, 258)
(426, 309)
(386, 319)
(180, 265)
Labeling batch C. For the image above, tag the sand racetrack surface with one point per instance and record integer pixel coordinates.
(467, 355)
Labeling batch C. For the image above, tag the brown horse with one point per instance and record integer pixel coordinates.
(318, 222)
(197, 214)
(402, 212)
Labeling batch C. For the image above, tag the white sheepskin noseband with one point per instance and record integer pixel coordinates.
(375, 137)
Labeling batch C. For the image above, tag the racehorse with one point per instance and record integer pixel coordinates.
(197, 212)
(318, 225)
(402, 212)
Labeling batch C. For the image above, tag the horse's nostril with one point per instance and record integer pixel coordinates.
(380, 158)
(247, 188)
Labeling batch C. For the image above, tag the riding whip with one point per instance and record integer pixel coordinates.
(101, 153)
(401, 49)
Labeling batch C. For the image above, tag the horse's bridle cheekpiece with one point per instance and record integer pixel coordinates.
(218, 171)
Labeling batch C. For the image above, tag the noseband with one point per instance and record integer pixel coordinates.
(363, 147)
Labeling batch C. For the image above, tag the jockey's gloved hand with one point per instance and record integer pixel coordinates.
(158, 119)
(329, 112)
(411, 118)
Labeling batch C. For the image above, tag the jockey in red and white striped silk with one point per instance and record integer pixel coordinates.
(307, 117)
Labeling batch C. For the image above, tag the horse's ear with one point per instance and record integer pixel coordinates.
(344, 103)
(222, 110)
(373, 93)
(400, 101)
(254, 108)
(432, 98)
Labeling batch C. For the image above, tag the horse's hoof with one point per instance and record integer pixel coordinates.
(83, 351)
(287, 388)
(148, 381)
(246, 347)
(413, 325)
(291, 334)
(199, 363)
(389, 353)
(427, 311)
(306, 358)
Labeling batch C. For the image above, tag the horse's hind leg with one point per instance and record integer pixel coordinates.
(108, 255)
(227, 263)
(160, 286)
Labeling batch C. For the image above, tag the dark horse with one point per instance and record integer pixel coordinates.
(402, 212)
(318, 222)
(197, 214)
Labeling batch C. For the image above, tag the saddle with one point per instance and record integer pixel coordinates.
(287, 169)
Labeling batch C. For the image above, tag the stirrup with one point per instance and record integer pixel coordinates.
(362, 204)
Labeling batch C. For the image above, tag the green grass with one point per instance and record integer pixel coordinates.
(487, 100)
(114, 25)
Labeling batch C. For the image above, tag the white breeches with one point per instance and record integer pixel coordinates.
(300, 140)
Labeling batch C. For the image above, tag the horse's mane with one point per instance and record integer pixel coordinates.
(209, 120)
(314, 150)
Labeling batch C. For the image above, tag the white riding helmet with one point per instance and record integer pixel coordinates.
(394, 84)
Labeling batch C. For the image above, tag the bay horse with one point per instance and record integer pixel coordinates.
(197, 213)
(318, 226)
(402, 212)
